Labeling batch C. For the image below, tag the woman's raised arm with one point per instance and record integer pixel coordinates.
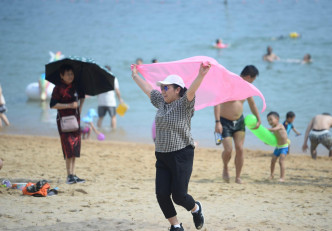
(145, 86)
(203, 70)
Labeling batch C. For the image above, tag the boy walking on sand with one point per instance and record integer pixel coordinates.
(282, 148)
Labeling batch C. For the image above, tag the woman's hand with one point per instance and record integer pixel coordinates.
(204, 68)
(73, 105)
(145, 86)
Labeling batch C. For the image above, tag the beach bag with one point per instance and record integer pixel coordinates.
(40, 189)
(68, 123)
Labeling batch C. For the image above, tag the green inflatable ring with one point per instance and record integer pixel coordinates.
(261, 132)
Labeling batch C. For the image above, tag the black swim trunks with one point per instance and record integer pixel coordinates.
(229, 127)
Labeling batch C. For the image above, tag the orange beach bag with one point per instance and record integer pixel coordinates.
(38, 189)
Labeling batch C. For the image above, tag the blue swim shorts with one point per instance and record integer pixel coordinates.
(280, 150)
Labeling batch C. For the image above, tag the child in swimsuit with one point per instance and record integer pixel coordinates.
(282, 148)
(288, 124)
(87, 125)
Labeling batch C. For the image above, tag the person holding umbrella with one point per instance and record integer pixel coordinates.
(74, 77)
(174, 145)
(68, 101)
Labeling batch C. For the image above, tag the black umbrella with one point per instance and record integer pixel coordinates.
(90, 78)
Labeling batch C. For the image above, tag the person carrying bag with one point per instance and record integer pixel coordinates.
(69, 102)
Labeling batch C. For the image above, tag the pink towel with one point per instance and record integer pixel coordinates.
(218, 86)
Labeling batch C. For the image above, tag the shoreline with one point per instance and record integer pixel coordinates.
(119, 189)
(120, 135)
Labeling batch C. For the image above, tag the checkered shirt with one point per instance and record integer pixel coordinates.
(173, 122)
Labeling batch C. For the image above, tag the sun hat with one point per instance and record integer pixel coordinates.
(172, 79)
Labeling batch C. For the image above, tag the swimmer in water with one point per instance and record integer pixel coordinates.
(306, 59)
(270, 56)
(219, 44)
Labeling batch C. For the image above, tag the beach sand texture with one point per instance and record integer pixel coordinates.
(119, 189)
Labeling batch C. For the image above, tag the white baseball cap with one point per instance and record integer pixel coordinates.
(172, 79)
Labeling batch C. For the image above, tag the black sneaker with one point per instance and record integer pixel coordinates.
(176, 229)
(78, 180)
(70, 179)
(198, 217)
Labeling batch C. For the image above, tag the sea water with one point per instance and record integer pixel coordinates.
(116, 32)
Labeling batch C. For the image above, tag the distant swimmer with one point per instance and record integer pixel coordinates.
(269, 56)
(318, 133)
(306, 59)
(139, 61)
(219, 44)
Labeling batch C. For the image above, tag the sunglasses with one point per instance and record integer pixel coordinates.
(164, 88)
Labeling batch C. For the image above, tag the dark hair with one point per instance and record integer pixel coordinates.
(290, 114)
(273, 113)
(250, 70)
(326, 113)
(65, 67)
(182, 91)
(154, 60)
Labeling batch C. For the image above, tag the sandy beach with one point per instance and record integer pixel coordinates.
(119, 189)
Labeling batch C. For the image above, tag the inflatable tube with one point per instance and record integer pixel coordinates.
(261, 132)
(33, 93)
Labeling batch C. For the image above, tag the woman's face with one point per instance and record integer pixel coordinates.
(67, 77)
(170, 93)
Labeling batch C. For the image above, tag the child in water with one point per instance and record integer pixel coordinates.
(219, 44)
(282, 147)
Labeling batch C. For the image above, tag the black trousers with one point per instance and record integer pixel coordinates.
(173, 171)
